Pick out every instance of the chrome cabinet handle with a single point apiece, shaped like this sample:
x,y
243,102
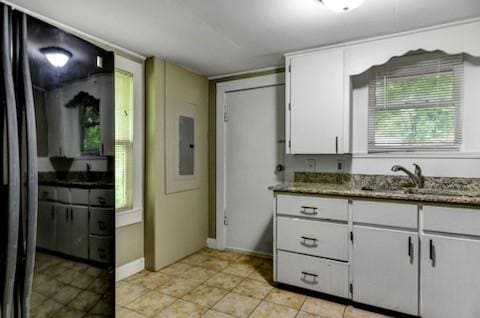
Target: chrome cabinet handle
x,y
102,200
313,277
306,239
410,249
432,253
309,210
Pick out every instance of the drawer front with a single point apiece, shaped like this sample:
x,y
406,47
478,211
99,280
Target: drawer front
x,y
101,197
386,213
324,239
101,248
47,193
63,195
79,196
451,220
314,207
101,221
322,275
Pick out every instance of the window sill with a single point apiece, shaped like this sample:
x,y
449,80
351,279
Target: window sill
x,y
128,217
426,155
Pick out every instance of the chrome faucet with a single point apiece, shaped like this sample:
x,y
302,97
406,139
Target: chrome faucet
x,y
417,178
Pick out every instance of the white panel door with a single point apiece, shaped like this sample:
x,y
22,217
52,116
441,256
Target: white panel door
x,y
254,147
316,98
64,229
450,277
385,268
79,228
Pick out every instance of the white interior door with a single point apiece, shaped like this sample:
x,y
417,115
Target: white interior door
x,y
254,148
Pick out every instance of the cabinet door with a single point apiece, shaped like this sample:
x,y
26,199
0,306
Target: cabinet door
x,y
107,115
316,101
54,122
64,229
385,268
46,225
450,278
79,226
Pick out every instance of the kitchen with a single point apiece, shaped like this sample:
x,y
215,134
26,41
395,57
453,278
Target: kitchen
x,y
257,159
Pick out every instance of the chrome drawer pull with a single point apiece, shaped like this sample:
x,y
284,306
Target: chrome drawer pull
x,y
305,241
313,279
309,210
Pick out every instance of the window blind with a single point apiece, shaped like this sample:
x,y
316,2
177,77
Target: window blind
x,y
415,103
123,139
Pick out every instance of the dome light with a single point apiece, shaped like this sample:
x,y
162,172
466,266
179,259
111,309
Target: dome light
x,y
342,5
57,56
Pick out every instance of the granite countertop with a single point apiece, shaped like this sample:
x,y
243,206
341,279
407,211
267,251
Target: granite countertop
x,y
78,184
80,179
378,190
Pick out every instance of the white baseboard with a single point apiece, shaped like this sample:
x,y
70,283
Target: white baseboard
x,y
249,252
129,269
211,243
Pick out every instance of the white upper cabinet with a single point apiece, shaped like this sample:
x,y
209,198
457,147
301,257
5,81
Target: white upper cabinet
x,y
315,102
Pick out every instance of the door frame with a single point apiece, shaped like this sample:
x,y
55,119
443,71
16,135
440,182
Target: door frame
x,y
223,89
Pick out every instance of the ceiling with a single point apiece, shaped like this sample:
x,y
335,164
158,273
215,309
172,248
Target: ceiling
x,y
213,37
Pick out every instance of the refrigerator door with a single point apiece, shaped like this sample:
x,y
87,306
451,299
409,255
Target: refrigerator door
x,y
12,216
29,157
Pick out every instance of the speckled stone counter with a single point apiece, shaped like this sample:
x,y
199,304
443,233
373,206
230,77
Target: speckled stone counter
x,y
92,180
462,191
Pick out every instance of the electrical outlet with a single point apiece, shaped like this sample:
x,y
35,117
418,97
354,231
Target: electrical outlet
x,y
310,165
341,165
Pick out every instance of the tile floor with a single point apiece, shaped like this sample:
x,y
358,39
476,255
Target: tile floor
x,y
64,288
216,284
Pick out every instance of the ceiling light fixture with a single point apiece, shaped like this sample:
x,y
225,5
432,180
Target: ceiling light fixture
x,y
342,5
57,56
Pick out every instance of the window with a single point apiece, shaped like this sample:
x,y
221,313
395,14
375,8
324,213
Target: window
x,y
123,139
415,103
90,129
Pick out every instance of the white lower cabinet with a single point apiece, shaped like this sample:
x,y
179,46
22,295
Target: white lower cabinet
x,y
450,277
429,269
46,225
385,268
64,230
79,230
72,230
315,273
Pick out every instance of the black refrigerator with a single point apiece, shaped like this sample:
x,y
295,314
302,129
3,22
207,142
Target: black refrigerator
x,y
57,198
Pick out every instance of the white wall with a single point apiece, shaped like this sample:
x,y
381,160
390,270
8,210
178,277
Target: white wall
x,y
465,163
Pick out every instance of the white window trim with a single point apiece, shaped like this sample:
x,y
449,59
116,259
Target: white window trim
x,y
134,215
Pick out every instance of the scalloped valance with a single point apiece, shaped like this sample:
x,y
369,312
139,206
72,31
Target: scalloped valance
x,y
452,39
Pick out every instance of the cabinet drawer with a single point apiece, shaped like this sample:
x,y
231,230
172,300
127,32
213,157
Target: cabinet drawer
x,y
63,195
101,248
322,275
386,213
314,207
451,220
101,221
47,193
324,239
79,196
102,197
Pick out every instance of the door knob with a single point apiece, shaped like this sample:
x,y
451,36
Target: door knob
x,y
279,168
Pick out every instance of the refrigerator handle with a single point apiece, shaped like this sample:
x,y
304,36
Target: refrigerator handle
x,y
13,166
32,167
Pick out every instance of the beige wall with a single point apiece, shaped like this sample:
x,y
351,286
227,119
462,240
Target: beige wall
x,y
176,224
129,243
212,189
